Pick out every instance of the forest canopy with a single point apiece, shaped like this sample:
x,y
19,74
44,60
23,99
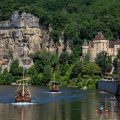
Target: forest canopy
x,y
80,19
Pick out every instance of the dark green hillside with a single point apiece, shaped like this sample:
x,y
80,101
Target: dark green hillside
x,y
80,19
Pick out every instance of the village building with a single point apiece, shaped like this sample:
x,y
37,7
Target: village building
x,y
99,44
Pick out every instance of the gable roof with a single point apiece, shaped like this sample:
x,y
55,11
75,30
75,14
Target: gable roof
x,y
99,36
85,43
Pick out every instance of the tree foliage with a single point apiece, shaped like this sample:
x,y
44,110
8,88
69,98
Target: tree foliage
x,y
104,61
80,19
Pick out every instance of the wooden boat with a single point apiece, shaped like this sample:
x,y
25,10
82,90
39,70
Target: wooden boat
x,y
23,93
102,112
23,96
54,86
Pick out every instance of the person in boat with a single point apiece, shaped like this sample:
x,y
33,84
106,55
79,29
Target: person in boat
x,y
101,108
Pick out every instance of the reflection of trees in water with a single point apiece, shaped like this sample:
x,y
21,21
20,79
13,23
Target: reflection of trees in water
x,y
56,111
53,111
113,106
8,112
114,109
23,112
117,110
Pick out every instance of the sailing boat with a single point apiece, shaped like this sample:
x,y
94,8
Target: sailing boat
x,y
23,93
54,85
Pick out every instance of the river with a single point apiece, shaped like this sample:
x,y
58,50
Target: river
x,y
69,104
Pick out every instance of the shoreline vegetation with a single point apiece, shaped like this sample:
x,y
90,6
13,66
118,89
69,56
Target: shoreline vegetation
x,y
79,19
69,71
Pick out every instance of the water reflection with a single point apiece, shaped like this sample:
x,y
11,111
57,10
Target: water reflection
x,y
69,105
112,106
22,112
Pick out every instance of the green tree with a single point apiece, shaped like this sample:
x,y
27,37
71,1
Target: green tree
x,y
36,78
15,69
41,59
87,57
115,61
104,61
7,78
64,57
47,72
91,69
55,35
72,7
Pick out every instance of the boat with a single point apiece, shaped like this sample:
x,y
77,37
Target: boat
x,y
102,112
108,78
23,93
113,98
54,86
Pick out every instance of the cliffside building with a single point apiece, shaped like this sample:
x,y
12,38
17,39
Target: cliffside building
x,y
24,29
99,44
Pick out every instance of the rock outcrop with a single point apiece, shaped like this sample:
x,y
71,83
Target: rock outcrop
x,y
24,30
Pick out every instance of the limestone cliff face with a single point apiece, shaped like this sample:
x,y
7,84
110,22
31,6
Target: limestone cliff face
x,y
23,31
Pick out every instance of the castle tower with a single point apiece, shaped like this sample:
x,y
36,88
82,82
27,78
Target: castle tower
x,y
85,48
100,43
14,19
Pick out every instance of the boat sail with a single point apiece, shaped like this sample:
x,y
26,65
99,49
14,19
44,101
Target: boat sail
x,y
54,85
23,93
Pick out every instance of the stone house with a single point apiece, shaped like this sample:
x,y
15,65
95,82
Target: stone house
x,y
99,44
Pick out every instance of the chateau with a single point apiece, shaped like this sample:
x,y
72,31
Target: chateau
x,y
100,43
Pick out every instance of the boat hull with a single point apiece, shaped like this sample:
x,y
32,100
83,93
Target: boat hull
x,y
22,99
54,88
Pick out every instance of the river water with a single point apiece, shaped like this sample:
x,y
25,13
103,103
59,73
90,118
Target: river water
x,y
69,104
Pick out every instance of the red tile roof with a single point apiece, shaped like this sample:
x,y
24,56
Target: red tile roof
x,y
112,43
99,36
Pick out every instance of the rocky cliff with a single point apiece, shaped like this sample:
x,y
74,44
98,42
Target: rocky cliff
x,y
23,31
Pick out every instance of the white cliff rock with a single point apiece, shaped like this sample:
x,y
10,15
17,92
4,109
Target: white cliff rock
x,y
25,29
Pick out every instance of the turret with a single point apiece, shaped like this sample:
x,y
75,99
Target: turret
x,y
85,47
100,43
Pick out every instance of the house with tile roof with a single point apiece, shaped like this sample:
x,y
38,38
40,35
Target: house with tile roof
x,y
99,44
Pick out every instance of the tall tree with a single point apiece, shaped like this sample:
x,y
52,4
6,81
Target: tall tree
x,y
104,61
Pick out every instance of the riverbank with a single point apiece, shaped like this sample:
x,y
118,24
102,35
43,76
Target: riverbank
x,y
73,102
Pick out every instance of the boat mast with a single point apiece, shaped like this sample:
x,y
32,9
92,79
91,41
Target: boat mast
x,y
54,66
23,87
54,75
